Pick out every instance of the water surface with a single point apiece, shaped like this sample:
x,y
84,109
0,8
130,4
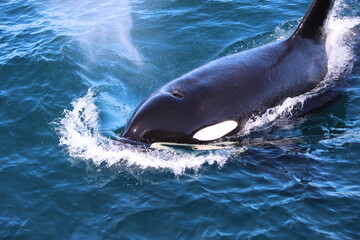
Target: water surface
x,y
73,72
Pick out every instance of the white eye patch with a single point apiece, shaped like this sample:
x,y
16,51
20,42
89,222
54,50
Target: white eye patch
x,y
215,131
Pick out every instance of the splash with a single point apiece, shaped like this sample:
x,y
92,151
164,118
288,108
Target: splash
x,y
340,57
101,27
80,134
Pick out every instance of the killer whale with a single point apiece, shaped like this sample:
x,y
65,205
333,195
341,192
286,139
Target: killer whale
x,y
216,99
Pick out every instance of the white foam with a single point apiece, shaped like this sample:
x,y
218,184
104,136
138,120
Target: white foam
x,y
80,134
338,48
340,58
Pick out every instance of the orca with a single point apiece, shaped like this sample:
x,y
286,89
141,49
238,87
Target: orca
x,y
216,100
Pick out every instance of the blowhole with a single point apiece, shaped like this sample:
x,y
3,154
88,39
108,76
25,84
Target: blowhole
x,y
177,94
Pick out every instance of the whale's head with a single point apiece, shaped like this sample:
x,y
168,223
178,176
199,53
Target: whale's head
x,y
181,115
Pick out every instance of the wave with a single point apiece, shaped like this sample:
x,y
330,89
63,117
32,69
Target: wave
x,y
81,136
80,133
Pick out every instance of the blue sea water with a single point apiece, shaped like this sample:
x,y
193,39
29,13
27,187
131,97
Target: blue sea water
x,y
73,72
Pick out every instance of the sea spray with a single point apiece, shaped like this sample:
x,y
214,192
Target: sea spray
x,y
101,28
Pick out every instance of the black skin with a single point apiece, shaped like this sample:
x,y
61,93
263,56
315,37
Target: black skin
x,y
234,87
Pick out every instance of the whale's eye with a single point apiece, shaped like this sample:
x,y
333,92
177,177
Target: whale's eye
x,y
177,93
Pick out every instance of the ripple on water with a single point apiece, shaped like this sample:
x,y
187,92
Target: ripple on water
x,y
293,178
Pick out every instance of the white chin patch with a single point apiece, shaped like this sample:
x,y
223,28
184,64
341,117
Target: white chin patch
x,y
215,131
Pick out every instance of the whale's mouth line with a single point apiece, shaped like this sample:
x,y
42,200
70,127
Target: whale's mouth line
x,y
178,147
128,141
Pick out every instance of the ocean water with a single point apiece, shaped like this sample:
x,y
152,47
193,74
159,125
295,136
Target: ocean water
x,y
73,72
